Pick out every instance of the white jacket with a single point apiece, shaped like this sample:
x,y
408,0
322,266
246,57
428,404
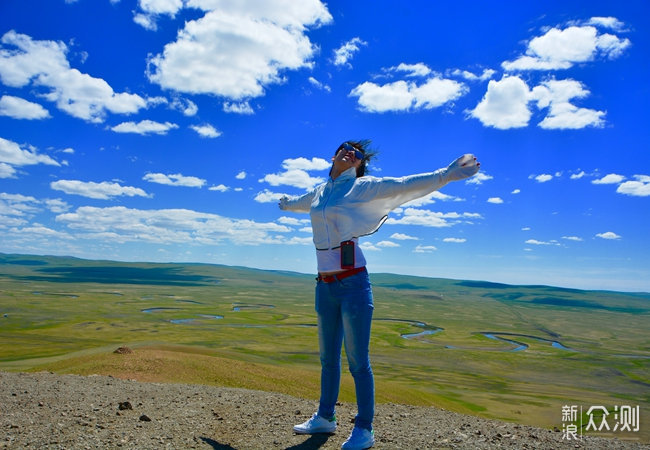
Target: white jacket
x,y
349,207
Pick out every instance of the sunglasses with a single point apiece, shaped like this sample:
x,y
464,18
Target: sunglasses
x,y
348,148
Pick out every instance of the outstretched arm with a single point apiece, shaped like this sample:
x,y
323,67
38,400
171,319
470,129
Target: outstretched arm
x,y
404,189
297,204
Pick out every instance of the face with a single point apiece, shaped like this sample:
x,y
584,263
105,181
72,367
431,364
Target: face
x,y
347,156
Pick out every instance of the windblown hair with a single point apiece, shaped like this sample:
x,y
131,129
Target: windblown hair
x,y
363,146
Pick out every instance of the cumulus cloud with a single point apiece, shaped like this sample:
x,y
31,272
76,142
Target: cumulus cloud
x,y
455,240
411,70
562,48
295,173
577,176
427,218
243,108
556,95
479,178
611,178
504,105
44,64
19,108
267,196
609,235
425,249
470,76
219,188
12,154
168,226
407,96
318,85
495,200
536,242
206,130
174,180
387,244
144,127
431,198
345,52
638,188
241,175
572,238
237,49
101,191
543,178
403,237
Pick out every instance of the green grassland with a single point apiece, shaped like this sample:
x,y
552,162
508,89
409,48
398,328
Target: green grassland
x,y
241,327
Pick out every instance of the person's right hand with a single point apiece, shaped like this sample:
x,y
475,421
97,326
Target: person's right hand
x,y
464,167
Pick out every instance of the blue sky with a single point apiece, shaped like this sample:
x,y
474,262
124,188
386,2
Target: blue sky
x,y
166,130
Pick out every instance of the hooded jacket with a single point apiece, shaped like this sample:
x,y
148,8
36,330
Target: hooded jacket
x,y
349,207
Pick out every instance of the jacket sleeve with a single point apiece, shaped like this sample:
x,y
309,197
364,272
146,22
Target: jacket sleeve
x,y
397,191
298,204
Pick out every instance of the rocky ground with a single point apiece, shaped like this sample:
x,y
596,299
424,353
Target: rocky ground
x,y
43,410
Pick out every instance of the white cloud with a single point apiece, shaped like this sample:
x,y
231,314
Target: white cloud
x,y
610,235
485,75
295,173
455,240
572,238
144,127
344,54
387,244
577,176
238,48
431,198
543,178
241,175
219,188
407,95
516,191
638,188
369,247
187,107
426,218
174,180
19,108
536,242
611,178
561,49
318,85
57,205
403,237
292,221
12,154
102,191
206,130
168,226
607,22
479,178
306,164
267,196
243,108
504,105
294,177
424,249
411,70
6,171
556,95
44,64
495,200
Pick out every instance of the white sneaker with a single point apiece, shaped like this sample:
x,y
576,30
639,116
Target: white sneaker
x,y
316,424
359,439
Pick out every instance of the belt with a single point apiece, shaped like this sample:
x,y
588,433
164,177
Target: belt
x,y
341,275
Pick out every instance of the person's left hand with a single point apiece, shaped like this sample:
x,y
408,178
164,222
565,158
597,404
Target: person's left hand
x,y
464,167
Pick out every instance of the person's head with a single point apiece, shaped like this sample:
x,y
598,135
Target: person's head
x,y
353,154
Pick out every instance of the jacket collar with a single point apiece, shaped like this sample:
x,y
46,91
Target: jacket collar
x,y
348,174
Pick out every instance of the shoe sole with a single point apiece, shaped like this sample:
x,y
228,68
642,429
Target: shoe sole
x,y
315,432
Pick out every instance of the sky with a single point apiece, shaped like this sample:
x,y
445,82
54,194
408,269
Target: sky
x,y
167,130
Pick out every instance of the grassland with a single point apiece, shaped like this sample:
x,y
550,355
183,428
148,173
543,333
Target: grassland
x,y
249,328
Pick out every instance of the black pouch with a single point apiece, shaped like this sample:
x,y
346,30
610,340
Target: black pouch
x,y
347,255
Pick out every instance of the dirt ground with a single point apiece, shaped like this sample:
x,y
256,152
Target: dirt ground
x,y
44,410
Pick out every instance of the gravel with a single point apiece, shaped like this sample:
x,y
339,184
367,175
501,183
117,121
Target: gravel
x,y
45,410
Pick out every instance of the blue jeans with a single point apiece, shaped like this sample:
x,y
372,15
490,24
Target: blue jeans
x,y
344,311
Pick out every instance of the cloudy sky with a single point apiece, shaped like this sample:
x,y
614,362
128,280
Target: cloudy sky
x,y
166,130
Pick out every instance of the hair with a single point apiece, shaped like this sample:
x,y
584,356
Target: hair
x,y
363,146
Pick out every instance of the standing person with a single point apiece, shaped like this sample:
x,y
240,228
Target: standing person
x,y
347,206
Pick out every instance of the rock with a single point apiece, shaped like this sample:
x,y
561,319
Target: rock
x,y
124,406
123,351
145,418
